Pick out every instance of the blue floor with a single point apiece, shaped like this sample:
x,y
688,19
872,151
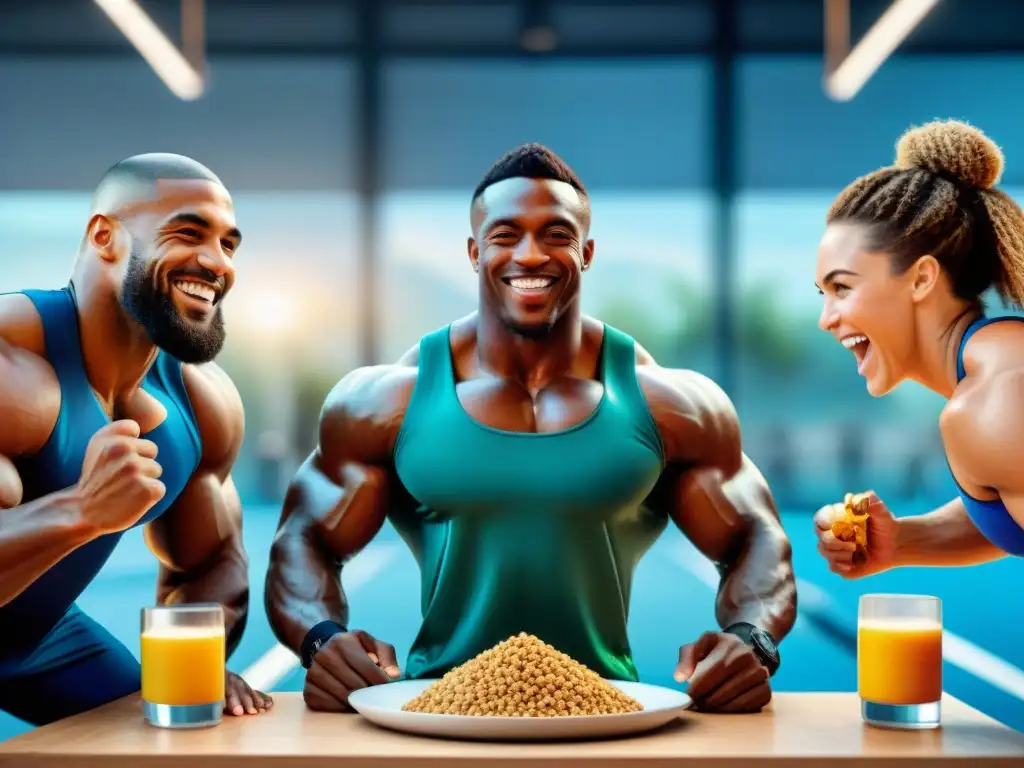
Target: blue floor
x,y
671,606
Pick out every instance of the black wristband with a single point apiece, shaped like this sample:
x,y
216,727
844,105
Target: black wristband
x,y
315,638
760,641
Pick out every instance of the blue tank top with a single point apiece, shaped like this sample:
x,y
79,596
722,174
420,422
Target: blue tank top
x,y
27,618
989,515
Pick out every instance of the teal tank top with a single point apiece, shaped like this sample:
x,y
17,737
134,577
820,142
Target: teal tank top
x,y
527,532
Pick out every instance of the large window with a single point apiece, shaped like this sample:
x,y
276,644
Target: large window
x,y
791,136
639,152
275,124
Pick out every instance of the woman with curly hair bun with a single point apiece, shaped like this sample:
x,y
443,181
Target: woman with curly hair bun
x,y
908,252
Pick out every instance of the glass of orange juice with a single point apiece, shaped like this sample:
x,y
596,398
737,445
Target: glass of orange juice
x,y
899,660
183,658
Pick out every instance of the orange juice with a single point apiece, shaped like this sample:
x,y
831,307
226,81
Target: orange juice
x,y
183,665
899,661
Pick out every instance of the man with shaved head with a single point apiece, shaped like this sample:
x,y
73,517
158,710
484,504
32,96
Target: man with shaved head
x,y
114,416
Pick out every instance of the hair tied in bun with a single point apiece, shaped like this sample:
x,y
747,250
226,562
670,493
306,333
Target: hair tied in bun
x,y
953,150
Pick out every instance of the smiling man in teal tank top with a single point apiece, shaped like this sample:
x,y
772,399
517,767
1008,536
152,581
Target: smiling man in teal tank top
x,y
530,456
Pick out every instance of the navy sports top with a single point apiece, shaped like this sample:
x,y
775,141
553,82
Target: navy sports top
x,y
58,465
989,515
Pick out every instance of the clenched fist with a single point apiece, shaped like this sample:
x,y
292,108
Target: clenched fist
x,y
119,481
842,556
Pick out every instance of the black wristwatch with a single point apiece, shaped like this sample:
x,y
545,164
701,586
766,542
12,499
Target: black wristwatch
x,y
315,639
762,643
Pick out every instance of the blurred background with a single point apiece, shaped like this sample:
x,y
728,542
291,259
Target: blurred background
x,y
351,135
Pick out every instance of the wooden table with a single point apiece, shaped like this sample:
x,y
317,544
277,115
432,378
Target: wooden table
x,y
805,728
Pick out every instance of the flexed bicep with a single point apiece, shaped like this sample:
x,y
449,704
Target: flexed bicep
x,y
337,501
721,501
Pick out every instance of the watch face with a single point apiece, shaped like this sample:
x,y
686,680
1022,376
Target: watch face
x,y
764,644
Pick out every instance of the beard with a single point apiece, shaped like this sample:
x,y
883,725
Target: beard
x,y
157,315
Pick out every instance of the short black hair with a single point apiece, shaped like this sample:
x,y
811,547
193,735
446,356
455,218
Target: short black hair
x,y
530,161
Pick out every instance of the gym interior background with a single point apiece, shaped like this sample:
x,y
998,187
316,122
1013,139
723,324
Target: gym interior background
x,y
351,135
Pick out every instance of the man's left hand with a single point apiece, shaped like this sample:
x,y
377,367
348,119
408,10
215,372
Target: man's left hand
x,y
240,699
724,674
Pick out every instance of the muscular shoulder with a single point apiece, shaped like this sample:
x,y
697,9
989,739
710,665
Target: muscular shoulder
x,y
996,348
20,324
29,390
220,415
982,426
695,417
364,411
982,422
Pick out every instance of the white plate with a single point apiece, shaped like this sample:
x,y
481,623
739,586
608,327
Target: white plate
x,y
382,704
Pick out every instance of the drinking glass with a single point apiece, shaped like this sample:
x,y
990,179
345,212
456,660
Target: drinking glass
x,y
899,660
183,662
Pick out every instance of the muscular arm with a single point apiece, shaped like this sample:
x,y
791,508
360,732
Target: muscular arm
x,y
198,540
720,501
337,501
943,537
35,535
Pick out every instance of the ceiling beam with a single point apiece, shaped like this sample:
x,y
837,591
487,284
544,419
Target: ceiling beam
x,y
182,71
848,69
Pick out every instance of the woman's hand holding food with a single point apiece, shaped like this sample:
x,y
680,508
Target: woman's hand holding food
x,y
857,536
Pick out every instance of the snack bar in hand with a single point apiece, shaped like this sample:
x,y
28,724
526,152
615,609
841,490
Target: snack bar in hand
x,y
854,525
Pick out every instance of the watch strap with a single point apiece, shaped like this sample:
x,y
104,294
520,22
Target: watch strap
x,y
760,641
315,639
